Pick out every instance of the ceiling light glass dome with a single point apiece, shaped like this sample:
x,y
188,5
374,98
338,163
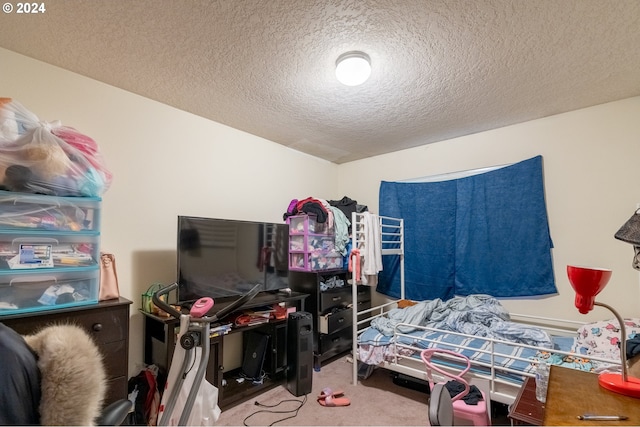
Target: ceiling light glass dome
x,y
353,68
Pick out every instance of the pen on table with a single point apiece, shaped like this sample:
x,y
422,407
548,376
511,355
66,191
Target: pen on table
x,y
589,417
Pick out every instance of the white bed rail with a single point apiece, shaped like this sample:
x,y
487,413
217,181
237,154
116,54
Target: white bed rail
x,y
493,377
391,239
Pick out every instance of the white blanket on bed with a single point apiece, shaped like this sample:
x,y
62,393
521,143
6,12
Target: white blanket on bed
x,y
478,315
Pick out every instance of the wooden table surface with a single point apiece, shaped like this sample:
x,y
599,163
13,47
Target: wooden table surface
x,y
572,392
527,409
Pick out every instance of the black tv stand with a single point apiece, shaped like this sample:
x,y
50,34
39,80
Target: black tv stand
x,y
160,341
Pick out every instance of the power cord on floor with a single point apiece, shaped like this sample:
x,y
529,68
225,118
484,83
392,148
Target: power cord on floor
x,y
255,381
294,411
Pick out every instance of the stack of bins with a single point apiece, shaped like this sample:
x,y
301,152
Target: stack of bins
x,y
312,245
49,252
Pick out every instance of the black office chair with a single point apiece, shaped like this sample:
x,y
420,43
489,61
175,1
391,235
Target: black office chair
x,y
440,406
115,413
54,377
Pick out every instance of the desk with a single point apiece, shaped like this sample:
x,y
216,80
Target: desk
x,y
572,393
527,409
160,341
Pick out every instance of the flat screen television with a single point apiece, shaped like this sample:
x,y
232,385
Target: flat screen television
x,y
224,258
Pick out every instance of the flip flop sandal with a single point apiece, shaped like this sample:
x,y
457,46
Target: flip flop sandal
x,y
328,392
331,401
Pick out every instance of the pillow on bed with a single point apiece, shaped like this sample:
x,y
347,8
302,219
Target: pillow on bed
x,y
405,303
602,339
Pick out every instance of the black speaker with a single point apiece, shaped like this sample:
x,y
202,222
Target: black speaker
x,y
299,353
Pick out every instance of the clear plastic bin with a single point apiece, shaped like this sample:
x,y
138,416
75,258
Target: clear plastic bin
x,y
315,261
21,211
29,291
27,250
301,224
313,243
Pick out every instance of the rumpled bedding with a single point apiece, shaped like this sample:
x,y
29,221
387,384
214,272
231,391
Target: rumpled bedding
x,y
479,315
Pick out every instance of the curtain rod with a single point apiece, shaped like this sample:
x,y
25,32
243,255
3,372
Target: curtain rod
x,y
454,175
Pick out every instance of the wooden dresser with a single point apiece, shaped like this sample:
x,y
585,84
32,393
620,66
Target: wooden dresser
x,y
107,322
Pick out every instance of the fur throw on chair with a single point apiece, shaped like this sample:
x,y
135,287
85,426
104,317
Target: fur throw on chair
x,y
73,375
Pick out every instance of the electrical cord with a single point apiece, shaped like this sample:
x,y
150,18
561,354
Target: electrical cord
x,y
193,363
257,380
295,410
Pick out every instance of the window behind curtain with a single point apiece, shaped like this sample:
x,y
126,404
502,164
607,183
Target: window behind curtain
x,y
481,234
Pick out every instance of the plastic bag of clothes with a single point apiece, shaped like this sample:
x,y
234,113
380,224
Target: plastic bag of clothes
x,y
144,393
47,158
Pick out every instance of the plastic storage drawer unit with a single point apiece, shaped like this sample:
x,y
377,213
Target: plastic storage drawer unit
x,y
34,251
308,224
315,261
19,211
312,245
24,291
49,252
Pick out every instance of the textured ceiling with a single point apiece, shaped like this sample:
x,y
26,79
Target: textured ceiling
x,y
441,69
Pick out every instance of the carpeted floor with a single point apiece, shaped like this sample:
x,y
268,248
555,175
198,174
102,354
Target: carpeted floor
x,y
376,401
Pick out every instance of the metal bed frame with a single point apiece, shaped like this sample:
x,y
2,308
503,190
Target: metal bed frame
x,y
502,383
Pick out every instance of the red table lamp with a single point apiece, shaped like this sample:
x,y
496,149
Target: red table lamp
x,y
588,282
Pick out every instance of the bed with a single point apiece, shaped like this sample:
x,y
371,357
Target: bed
x,y
504,348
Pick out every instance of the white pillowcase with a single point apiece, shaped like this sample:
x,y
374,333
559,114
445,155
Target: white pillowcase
x,y
602,338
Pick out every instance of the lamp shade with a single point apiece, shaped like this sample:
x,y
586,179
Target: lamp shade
x,y
587,283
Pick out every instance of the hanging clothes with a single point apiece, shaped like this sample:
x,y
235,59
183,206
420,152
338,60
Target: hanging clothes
x,y
369,250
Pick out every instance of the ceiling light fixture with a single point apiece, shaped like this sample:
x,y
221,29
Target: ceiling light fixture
x,y
353,68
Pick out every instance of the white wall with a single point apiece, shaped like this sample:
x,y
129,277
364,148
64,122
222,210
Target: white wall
x,y
165,163
592,186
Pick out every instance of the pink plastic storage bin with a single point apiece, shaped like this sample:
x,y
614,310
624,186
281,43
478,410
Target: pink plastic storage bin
x,y
312,245
307,224
315,261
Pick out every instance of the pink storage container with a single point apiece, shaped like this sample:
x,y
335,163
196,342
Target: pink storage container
x,y
312,245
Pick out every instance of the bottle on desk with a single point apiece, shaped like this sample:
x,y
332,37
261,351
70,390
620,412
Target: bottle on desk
x,y
542,381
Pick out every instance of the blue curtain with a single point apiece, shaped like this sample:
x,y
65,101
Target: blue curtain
x,y
483,234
